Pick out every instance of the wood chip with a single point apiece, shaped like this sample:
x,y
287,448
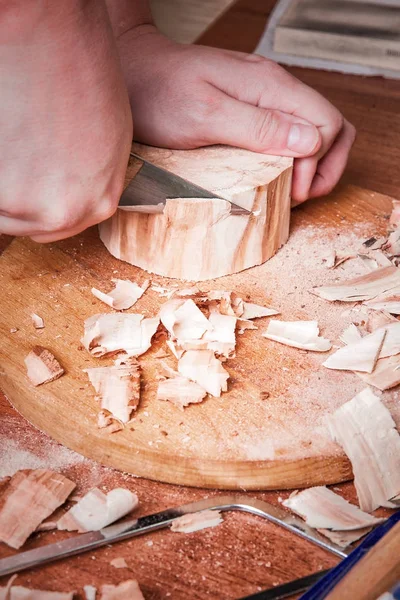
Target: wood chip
x,y
119,332
378,318
97,510
323,509
350,335
42,366
392,245
124,295
389,302
119,563
197,521
365,287
127,590
367,433
18,592
184,320
105,420
47,526
202,367
222,337
37,321
298,334
361,355
117,388
345,538
30,497
254,311
180,391
90,592
386,374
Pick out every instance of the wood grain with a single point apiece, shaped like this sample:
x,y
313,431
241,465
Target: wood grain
x,y
199,239
235,442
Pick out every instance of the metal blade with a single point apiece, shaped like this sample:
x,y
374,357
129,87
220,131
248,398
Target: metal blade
x,y
152,186
287,590
134,527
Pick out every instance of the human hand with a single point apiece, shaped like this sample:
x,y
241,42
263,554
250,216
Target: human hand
x,y
66,125
189,96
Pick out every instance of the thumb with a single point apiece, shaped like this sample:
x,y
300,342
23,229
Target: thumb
x,y
258,129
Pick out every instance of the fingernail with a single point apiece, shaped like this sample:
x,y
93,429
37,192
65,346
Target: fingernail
x,y
302,138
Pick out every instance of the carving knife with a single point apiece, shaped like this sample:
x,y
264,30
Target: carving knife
x,y
152,186
134,527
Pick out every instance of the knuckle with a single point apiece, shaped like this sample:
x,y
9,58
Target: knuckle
x,y
265,128
337,122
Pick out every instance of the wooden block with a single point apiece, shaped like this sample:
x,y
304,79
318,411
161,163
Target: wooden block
x,y
196,239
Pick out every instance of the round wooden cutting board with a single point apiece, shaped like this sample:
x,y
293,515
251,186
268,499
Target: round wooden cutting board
x,y
267,431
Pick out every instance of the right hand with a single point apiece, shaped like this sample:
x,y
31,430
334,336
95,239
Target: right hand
x,y
66,125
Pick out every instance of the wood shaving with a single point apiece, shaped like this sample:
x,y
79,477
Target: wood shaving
x,y
298,334
124,295
388,302
127,590
222,337
119,563
18,592
361,288
90,592
367,433
361,355
180,391
202,367
378,318
119,332
243,324
117,388
106,421
37,321
184,320
392,245
394,220
42,366
386,374
350,335
345,538
197,521
29,498
323,509
47,526
97,510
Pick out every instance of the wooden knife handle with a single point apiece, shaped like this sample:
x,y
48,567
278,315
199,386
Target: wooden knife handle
x,y
375,573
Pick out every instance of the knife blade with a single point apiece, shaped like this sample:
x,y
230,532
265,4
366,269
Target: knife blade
x,y
152,186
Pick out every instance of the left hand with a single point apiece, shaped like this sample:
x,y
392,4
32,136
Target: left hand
x,y
190,96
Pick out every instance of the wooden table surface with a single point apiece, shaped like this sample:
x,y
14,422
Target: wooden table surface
x,y
244,554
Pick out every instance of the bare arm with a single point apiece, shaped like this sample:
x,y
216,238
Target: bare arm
x,y
66,127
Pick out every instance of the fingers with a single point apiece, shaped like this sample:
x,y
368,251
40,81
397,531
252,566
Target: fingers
x,y
313,177
262,130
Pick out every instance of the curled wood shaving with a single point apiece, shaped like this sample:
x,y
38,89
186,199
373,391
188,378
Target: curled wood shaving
x,y
365,287
127,590
202,367
360,355
97,510
197,521
180,391
392,245
367,433
37,321
29,498
117,388
221,339
323,509
111,333
42,366
298,334
124,295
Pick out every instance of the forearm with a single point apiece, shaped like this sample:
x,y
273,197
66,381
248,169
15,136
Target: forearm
x,y
126,15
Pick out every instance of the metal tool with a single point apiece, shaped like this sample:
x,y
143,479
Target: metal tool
x,y
286,590
152,186
133,527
